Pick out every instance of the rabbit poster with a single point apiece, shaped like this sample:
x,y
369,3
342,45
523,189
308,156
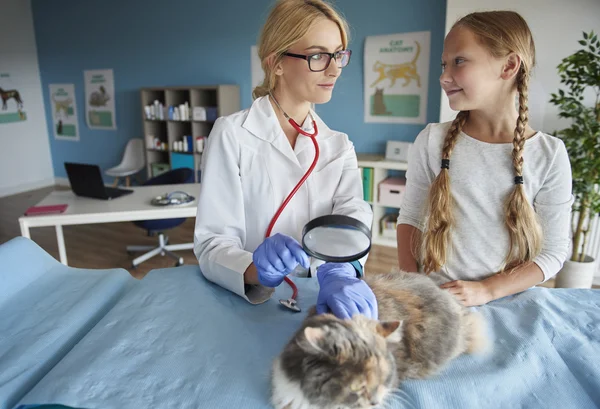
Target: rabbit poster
x,y
100,99
396,78
64,111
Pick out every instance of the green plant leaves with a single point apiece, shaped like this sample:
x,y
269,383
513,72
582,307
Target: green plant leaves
x,y
580,73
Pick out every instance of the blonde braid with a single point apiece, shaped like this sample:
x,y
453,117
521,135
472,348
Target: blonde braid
x,y
436,237
524,229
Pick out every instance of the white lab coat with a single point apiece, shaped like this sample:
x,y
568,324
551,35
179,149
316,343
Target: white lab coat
x,y
248,169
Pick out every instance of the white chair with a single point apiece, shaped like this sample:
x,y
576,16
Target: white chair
x,y
133,161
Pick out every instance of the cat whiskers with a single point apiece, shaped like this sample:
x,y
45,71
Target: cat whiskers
x,y
394,398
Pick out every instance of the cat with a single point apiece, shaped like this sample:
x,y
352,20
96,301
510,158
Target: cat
x,y
11,93
353,364
99,98
62,105
408,71
379,107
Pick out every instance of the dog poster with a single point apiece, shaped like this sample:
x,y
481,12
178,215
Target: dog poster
x,y
13,106
396,77
64,111
100,99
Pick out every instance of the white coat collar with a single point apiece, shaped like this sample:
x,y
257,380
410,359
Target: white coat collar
x,y
262,122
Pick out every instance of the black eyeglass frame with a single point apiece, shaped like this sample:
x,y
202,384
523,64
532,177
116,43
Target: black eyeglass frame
x,y
331,57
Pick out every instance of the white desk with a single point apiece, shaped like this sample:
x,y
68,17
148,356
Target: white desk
x,y
131,207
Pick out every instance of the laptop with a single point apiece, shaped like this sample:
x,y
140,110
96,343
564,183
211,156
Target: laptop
x,y
86,180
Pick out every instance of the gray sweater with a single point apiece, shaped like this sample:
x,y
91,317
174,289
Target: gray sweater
x,y
481,178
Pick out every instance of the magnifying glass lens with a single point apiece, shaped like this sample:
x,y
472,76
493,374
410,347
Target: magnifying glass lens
x,y
336,238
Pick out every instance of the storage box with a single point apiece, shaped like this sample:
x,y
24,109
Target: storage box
x,y
398,151
391,191
159,168
182,160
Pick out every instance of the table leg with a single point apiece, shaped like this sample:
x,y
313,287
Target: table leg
x,y
60,238
24,229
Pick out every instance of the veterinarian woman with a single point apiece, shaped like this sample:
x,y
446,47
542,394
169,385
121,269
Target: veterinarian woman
x,y
255,158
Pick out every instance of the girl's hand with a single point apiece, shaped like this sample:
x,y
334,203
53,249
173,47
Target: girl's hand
x,y
469,293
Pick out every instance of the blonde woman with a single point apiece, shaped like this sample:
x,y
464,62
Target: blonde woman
x,y
497,193
255,157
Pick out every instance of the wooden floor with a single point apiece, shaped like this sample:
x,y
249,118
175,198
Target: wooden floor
x,y
101,246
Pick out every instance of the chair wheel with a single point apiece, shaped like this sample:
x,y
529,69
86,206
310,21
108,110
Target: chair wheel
x,y
179,263
133,266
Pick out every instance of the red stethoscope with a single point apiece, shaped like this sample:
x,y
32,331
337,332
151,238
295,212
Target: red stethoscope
x,y
291,302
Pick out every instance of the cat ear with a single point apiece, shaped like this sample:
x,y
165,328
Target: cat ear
x,y
390,330
314,336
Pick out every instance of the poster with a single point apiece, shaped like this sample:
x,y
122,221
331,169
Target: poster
x,y
100,99
11,98
258,75
396,77
64,111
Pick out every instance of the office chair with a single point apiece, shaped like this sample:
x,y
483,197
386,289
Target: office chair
x,y
153,227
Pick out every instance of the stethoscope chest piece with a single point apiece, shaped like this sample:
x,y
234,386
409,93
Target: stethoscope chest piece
x,y
172,199
291,304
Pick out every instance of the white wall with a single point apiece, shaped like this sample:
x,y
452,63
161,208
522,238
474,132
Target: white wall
x,y
557,27
25,160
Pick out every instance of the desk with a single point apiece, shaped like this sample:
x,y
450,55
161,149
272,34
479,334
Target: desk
x,y
131,207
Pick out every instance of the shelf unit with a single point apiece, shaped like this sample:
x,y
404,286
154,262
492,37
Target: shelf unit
x,y
226,99
381,170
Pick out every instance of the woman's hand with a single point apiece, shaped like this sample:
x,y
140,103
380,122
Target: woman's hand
x,y
276,257
342,293
469,293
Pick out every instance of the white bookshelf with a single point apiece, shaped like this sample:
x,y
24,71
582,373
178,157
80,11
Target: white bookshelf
x,y
381,169
226,98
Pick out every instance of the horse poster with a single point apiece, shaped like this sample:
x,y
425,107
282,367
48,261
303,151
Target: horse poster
x,y
396,77
13,109
64,111
100,99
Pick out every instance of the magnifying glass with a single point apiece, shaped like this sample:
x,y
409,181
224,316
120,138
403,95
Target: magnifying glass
x,y
336,238
333,238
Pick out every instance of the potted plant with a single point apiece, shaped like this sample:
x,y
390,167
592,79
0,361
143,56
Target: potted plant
x,y
580,73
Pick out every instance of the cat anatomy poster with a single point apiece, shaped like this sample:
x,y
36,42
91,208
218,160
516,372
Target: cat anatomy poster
x,y
64,111
13,106
396,77
100,99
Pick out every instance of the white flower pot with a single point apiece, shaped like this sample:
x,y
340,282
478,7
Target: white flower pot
x,y
575,274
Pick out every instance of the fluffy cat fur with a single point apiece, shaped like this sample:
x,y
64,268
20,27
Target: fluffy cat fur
x,y
337,364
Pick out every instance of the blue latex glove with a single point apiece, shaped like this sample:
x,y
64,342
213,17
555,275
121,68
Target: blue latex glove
x,y
342,293
276,257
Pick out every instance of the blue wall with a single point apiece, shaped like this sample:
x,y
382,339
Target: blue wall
x,y
195,42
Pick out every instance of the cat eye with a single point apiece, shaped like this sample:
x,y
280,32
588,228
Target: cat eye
x,y
351,398
320,61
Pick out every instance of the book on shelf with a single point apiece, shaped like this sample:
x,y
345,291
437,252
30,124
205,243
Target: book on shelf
x,y
367,181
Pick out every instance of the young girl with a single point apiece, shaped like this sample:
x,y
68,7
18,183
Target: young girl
x,y
254,158
488,199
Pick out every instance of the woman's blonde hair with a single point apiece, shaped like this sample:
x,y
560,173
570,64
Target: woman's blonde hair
x,y
502,33
286,24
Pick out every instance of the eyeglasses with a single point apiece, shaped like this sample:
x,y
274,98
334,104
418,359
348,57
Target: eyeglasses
x,y
320,61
